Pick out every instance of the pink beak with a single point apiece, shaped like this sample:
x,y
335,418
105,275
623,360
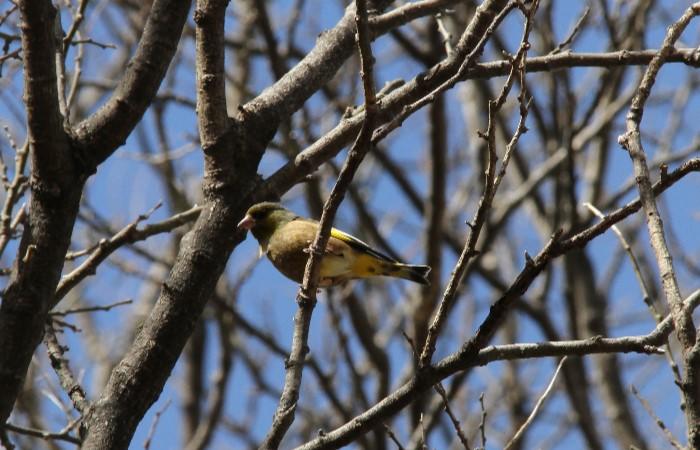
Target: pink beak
x,y
247,223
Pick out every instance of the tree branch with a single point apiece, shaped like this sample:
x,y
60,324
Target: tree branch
x,y
106,130
470,353
306,297
632,142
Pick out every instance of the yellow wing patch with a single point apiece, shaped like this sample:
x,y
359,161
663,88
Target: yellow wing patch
x,y
359,245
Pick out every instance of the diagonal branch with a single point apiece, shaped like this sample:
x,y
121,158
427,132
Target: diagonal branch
x,y
335,140
470,354
683,320
514,441
127,235
65,376
306,297
106,130
491,183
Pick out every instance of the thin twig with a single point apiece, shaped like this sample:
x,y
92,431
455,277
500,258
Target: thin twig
x,y
60,365
46,435
538,405
445,33
572,34
491,184
152,430
635,263
87,309
455,422
77,20
393,437
645,292
127,235
90,41
16,188
482,422
660,423
306,296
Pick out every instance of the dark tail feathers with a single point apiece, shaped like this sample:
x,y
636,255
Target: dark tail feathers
x,y
416,273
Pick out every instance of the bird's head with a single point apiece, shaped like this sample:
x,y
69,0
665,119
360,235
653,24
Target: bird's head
x,y
263,219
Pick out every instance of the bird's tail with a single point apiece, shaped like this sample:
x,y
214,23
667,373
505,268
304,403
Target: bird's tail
x,y
412,272
366,265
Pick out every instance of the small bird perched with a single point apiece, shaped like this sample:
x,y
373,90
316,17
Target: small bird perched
x,y
286,237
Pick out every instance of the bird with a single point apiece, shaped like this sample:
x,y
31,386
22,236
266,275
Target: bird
x,y
285,238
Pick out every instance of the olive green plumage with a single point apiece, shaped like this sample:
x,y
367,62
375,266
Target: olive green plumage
x,y
285,238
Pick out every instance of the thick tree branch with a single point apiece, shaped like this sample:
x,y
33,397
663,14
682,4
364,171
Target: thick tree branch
x,y
137,380
106,130
231,163
52,208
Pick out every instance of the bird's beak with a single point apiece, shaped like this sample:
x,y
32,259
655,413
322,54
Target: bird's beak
x,y
247,223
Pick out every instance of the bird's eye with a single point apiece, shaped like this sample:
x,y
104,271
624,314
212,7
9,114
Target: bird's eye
x,y
258,215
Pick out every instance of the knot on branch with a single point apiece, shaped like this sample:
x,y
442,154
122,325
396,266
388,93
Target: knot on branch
x,y
289,363
305,300
76,389
595,339
624,140
202,17
314,250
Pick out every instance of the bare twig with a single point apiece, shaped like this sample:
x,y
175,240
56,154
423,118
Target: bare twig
x,y
645,292
60,365
87,309
482,422
127,235
13,193
635,264
393,437
660,423
491,184
154,425
78,17
538,405
631,141
572,34
455,422
306,296
91,41
46,435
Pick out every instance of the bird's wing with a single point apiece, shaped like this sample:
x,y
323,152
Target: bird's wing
x,y
296,237
359,245
338,242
